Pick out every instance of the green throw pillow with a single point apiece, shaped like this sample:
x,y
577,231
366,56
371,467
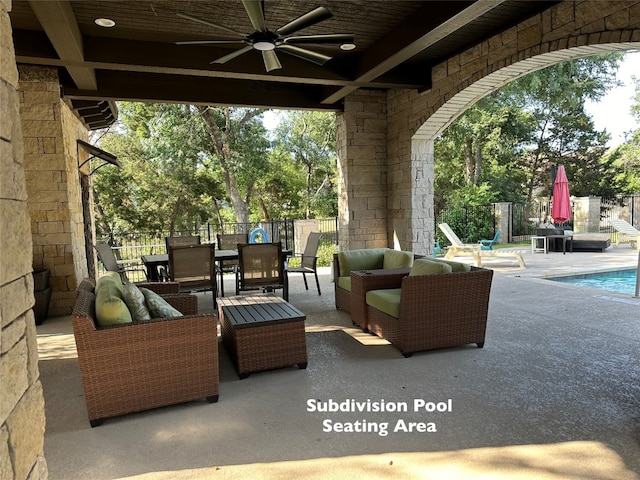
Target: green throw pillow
x,y
158,306
455,266
397,259
111,278
423,266
110,308
135,301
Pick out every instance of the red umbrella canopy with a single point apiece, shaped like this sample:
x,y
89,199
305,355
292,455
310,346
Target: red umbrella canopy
x,y
561,208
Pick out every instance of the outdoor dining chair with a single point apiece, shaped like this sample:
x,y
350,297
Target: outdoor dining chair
x,y
308,261
112,264
230,241
182,241
261,267
193,267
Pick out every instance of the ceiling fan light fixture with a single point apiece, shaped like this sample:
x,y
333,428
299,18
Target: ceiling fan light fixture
x,y
263,45
105,22
347,46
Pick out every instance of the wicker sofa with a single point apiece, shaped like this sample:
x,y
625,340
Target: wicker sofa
x,y
434,311
139,366
363,259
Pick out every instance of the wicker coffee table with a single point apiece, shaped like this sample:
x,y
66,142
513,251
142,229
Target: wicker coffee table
x,y
262,333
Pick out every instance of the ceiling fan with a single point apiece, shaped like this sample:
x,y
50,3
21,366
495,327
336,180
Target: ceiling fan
x,y
267,41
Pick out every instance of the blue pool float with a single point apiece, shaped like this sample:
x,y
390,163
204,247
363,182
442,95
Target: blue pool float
x,y
258,231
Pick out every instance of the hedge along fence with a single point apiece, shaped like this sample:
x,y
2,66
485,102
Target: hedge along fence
x,y
471,223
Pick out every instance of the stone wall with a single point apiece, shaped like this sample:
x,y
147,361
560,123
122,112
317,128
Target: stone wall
x,y
22,420
50,132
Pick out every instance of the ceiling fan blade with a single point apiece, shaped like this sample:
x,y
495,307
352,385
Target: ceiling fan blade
x,y
310,18
256,14
315,57
233,55
271,61
337,38
210,24
205,42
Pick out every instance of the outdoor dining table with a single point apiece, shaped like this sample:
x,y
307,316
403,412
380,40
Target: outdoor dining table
x,y
153,263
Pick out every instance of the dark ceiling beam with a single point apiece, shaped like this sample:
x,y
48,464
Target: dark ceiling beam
x,y
151,87
59,23
153,57
383,57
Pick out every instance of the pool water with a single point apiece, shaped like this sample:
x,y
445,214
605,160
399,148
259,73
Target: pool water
x,y
620,281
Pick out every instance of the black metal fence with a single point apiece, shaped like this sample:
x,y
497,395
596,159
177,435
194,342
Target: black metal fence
x,y
626,208
132,245
469,222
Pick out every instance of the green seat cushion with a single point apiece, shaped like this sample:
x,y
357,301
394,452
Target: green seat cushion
x,y
345,283
424,266
158,306
387,300
136,303
110,307
362,259
455,266
397,259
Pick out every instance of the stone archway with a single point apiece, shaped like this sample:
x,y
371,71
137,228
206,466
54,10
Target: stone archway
x,y
567,31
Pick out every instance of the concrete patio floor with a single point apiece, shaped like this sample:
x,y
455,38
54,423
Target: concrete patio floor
x,y
554,393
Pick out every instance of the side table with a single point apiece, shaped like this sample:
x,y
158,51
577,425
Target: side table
x,y
534,244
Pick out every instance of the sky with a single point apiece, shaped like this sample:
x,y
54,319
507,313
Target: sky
x,y
611,113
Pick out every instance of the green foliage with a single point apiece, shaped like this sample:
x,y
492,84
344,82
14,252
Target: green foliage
x,y
325,254
501,149
306,141
470,223
184,165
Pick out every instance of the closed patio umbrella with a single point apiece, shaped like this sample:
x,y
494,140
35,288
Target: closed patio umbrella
x,y
561,208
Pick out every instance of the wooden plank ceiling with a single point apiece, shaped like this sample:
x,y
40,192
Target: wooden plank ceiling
x,y
397,44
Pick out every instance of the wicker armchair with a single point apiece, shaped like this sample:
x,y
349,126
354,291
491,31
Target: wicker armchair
x,y
134,367
436,311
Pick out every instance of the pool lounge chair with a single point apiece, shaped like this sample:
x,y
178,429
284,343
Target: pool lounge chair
x,y
488,244
457,247
626,232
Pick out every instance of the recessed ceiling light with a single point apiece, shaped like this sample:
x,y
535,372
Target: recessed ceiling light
x,y
347,46
105,22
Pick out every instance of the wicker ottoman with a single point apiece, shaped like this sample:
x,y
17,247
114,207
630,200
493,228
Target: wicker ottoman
x,y
262,333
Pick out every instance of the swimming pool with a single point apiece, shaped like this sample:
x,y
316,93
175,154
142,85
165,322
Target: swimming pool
x,y
620,281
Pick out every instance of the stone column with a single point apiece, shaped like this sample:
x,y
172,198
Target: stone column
x,y
362,171
21,400
51,132
504,221
420,208
586,212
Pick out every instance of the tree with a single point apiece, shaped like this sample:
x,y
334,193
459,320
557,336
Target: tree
x,y
626,157
308,139
182,164
501,148
165,183
239,145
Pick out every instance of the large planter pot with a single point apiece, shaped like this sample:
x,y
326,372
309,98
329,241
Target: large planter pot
x,y
42,294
